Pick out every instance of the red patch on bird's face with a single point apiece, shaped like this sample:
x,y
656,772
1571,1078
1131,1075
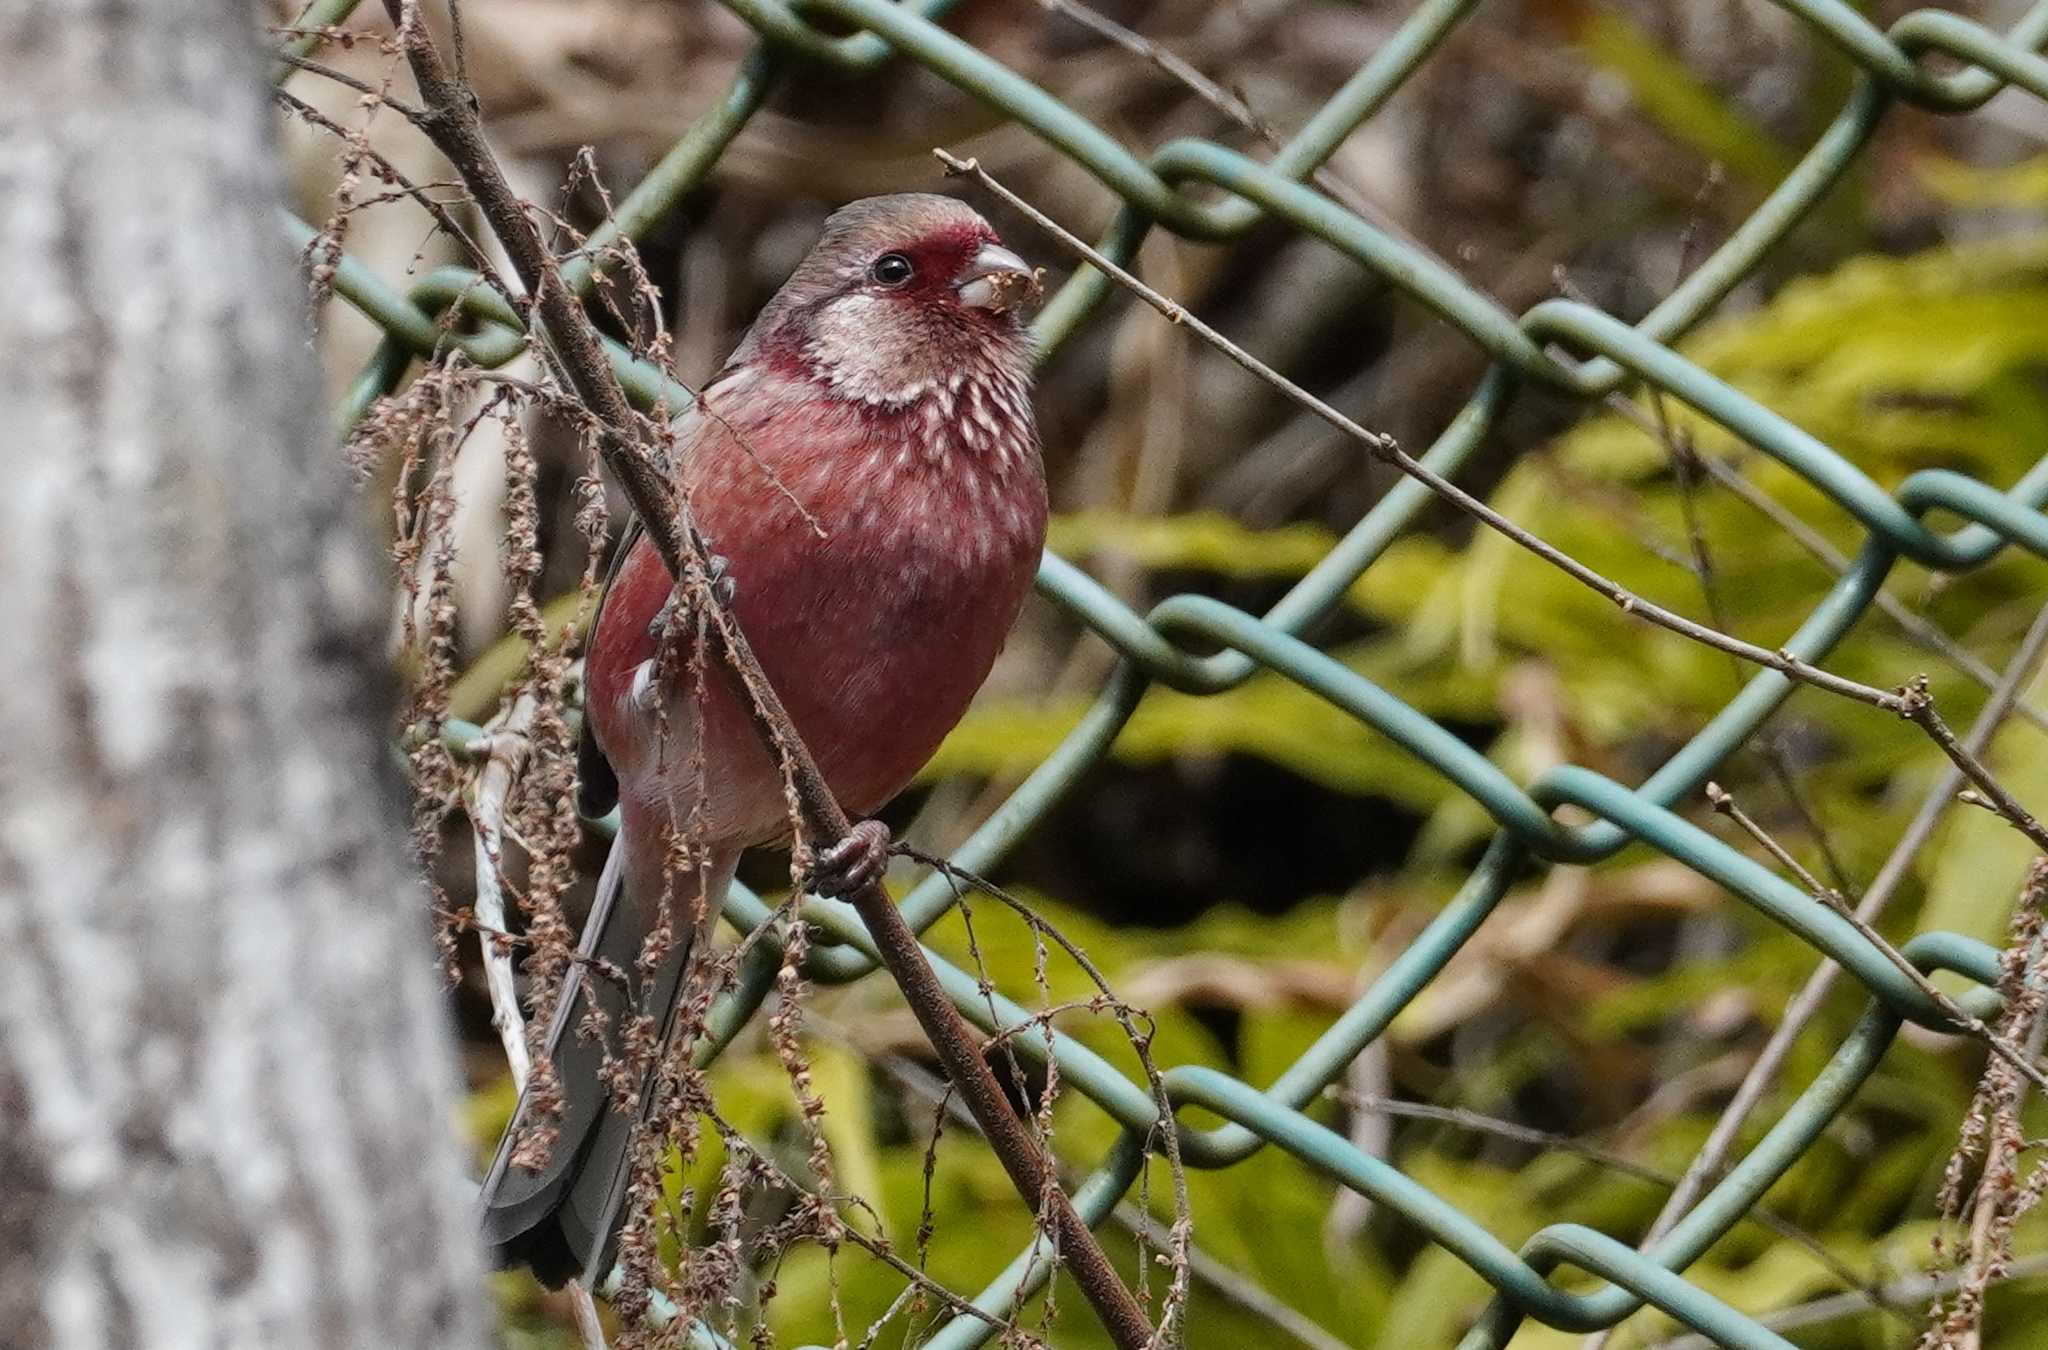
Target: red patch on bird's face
x,y
937,258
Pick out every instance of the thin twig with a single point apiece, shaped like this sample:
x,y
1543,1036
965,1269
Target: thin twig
x,y
1240,112
1168,1125
466,921
1231,105
1706,1164
1915,627
1724,802
1911,702
2005,1049
1478,1123
452,123
359,144
878,1248
1816,544
1684,458
1920,708
1226,1281
416,116
1906,1289
1385,447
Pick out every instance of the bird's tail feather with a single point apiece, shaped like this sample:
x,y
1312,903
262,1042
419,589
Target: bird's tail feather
x,y
563,1219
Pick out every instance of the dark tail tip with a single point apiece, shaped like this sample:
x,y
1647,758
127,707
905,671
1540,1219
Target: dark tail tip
x,y
545,1250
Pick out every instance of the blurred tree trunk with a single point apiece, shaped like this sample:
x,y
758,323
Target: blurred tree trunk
x,y
225,1074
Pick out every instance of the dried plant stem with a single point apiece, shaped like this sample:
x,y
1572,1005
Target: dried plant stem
x,y
450,120
1994,1185
877,1247
1993,1136
1179,1236
358,144
508,747
1226,1281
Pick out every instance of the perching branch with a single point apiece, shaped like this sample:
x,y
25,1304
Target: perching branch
x,y
451,121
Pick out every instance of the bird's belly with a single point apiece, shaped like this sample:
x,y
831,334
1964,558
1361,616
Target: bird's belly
x,y
875,662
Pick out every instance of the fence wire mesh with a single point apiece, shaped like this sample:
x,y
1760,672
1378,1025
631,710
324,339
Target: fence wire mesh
x,y
1559,345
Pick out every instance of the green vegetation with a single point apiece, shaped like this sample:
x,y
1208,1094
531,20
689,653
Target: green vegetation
x,y
1616,1005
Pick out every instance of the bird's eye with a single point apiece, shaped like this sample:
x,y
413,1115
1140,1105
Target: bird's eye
x,y
891,269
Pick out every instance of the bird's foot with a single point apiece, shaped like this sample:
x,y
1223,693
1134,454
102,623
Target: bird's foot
x,y
854,861
717,570
658,625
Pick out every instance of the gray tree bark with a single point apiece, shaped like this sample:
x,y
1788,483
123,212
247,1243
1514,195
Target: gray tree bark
x,y
225,1073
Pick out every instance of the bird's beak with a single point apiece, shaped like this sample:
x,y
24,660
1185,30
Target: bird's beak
x,y
996,279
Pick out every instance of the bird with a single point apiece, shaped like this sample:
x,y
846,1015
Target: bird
x,y
867,470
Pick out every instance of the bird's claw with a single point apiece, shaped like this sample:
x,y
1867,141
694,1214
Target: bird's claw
x,y
658,625
853,862
717,571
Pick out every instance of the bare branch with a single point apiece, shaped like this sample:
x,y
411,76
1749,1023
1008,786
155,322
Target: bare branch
x,y
1920,709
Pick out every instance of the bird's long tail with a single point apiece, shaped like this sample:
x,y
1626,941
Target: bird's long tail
x,y
563,1219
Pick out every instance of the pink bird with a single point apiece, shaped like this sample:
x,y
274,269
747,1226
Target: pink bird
x,y
867,469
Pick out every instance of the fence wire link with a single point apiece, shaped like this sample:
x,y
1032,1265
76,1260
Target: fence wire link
x,y
1562,345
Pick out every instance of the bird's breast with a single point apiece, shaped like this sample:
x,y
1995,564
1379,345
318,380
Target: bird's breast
x,y
875,581
879,622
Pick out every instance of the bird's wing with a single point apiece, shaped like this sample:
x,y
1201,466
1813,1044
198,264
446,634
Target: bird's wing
x,y
597,785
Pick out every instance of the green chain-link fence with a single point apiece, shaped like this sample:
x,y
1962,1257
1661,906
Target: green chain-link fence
x,y
1603,355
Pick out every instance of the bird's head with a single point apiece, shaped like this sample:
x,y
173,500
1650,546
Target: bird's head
x,y
901,296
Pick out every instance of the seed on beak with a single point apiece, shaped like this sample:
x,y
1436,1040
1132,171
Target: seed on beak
x,y
997,279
